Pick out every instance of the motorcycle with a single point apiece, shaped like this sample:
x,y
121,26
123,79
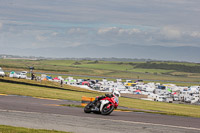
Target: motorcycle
x,y
104,106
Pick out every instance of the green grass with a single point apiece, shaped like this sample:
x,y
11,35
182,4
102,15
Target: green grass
x,y
107,66
152,77
47,92
164,108
180,63
11,129
152,71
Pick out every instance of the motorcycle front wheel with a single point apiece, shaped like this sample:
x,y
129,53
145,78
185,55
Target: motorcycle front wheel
x,y
107,111
87,108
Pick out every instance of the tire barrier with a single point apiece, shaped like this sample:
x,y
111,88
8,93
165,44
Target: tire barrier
x,y
86,100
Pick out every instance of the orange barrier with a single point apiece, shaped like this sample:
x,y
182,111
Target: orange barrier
x,y
86,100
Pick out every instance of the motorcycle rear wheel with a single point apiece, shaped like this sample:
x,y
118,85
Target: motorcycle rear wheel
x,y
107,111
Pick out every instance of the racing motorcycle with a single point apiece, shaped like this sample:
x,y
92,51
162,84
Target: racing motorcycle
x,y
103,105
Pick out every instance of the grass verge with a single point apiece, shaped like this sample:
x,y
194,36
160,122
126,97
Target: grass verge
x,y
11,129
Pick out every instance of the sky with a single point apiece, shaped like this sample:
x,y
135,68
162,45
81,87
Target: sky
x,y
34,24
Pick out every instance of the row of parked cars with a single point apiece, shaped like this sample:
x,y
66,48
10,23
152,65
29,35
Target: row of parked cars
x,y
13,74
19,75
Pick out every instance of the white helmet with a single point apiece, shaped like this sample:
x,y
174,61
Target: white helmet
x,y
116,93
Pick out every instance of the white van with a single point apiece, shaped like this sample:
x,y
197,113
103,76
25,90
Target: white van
x,y
160,98
18,75
2,74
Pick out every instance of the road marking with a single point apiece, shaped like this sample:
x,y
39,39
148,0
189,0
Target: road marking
x,y
47,98
51,104
122,111
131,122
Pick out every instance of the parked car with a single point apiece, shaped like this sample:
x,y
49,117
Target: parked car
x,y
160,98
18,74
24,72
2,74
176,98
22,75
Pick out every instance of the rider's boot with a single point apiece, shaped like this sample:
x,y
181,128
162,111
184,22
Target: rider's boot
x,y
96,109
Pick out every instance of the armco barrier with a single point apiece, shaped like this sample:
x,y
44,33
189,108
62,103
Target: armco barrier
x,y
86,100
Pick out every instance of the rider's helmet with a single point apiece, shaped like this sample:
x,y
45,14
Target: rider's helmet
x,y
116,93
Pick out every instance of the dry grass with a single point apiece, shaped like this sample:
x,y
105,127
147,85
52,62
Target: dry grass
x,y
11,129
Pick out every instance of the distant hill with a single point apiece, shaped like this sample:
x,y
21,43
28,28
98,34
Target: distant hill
x,y
5,56
120,51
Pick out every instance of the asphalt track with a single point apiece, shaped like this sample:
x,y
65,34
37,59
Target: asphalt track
x,y
48,114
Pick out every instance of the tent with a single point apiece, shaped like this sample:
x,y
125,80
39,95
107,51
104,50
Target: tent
x,y
86,83
48,77
56,78
12,72
137,91
44,79
174,93
169,90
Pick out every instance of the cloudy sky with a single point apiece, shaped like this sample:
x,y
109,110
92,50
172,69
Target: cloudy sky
x,y
73,23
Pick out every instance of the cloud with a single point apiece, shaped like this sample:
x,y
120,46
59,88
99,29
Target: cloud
x,y
171,33
71,44
107,29
174,1
41,38
118,31
54,33
74,30
129,31
195,34
77,30
61,23
1,25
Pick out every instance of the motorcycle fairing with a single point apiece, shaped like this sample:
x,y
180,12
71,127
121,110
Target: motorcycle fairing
x,y
103,102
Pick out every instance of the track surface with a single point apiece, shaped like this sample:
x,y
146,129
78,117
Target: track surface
x,y
46,114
